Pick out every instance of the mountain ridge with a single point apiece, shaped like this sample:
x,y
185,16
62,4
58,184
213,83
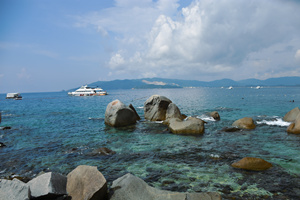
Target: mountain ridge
x,y
156,82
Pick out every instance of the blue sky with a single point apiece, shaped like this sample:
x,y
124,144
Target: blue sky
x,y
52,45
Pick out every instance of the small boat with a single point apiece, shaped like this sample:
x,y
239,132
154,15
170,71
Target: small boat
x,y
230,88
15,96
257,87
88,91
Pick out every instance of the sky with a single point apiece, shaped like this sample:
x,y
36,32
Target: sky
x,y
51,45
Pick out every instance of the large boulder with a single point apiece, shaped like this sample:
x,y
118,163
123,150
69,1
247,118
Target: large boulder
x,y
117,114
173,112
294,127
244,123
129,187
155,108
15,190
86,183
191,125
50,184
254,164
292,115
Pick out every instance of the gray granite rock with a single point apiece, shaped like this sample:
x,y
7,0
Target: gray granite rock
x,y
117,114
14,190
50,184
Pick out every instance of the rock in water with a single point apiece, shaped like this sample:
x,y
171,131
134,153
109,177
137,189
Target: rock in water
x,y
14,190
118,114
86,183
173,112
254,164
155,108
103,151
50,184
191,125
129,187
215,115
244,123
292,115
294,127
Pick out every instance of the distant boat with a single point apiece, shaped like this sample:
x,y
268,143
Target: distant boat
x,y
257,87
230,88
15,96
88,91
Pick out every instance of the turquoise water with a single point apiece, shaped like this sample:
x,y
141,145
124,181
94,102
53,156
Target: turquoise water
x,y
56,132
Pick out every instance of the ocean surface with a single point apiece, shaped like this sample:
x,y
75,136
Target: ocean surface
x,y
57,132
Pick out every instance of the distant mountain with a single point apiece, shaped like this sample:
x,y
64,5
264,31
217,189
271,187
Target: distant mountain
x,y
177,83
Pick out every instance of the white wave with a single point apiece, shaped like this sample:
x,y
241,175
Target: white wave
x,y
206,118
159,122
276,122
140,107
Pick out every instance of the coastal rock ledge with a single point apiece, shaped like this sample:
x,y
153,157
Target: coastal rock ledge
x,y
130,187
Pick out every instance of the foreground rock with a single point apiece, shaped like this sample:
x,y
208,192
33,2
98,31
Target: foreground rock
x,y
254,164
191,125
48,185
86,183
292,115
14,190
118,114
294,127
129,187
244,123
155,108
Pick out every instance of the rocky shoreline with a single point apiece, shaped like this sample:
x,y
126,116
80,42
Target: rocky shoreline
x,y
80,183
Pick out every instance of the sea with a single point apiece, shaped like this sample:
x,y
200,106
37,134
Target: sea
x,y
55,132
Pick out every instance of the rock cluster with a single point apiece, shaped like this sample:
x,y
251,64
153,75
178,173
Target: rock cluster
x,y
87,183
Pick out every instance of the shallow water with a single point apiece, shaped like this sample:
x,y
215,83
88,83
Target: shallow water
x,y
56,132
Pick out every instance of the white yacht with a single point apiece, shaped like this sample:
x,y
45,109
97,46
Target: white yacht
x,y
16,96
88,91
230,88
258,87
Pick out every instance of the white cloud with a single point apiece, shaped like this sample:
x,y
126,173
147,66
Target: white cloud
x,y
206,40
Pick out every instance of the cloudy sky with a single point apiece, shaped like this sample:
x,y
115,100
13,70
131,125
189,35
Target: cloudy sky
x,y
52,45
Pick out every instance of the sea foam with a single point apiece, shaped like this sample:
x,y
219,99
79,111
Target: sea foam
x,y
275,122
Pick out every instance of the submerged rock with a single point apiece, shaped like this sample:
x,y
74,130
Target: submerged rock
x,y
230,129
292,115
118,114
50,185
191,125
130,187
294,127
15,190
2,144
103,151
86,182
155,108
254,164
244,123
